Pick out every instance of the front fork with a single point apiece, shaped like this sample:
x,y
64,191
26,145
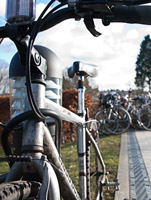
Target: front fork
x,y
32,146
82,141
32,140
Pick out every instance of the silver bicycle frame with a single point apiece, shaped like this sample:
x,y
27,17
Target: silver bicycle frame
x,y
36,138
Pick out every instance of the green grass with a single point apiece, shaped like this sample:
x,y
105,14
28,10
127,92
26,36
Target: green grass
x,y
3,165
69,156
110,146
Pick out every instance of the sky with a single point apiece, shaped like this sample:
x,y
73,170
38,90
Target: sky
x,y
114,52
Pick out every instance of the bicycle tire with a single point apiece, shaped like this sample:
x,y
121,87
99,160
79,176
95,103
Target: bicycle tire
x,y
101,118
18,190
119,120
110,122
144,116
93,168
134,119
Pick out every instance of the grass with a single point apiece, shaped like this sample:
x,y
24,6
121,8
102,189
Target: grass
x,y
110,146
3,165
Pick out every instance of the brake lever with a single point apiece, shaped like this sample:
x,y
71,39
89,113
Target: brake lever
x,y
89,23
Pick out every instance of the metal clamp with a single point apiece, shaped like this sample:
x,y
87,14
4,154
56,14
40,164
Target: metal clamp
x,y
114,185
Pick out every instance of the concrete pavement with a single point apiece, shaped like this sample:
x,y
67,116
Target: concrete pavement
x,y
134,171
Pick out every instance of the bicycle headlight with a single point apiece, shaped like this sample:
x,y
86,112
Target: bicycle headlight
x,y
19,11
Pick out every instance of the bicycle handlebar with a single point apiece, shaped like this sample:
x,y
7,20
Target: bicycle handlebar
x,y
116,13
132,14
123,14
109,2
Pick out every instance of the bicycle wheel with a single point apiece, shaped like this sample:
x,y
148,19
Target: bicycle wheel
x,y
144,117
93,166
101,117
118,120
111,121
19,190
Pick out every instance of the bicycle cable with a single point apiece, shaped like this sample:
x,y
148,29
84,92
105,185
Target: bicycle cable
x,y
1,40
33,35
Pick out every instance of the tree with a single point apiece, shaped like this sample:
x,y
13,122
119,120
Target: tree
x,y
4,79
143,64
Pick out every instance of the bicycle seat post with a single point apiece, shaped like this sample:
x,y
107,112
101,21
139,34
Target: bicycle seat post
x,y
81,139
82,70
81,93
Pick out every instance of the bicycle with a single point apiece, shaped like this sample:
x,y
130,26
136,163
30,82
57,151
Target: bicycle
x,y
143,113
140,113
36,169
113,118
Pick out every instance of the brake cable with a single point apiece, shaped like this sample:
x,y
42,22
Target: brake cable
x,y
1,40
33,35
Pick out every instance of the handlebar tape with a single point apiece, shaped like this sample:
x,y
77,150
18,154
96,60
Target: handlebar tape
x,y
132,14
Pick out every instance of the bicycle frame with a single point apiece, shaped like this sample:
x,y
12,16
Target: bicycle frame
x,y
37,139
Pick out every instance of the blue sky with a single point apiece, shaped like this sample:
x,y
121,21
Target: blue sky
x,y
8,49
115,52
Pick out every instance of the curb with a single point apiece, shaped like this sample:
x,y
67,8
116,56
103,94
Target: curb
x,y
123,171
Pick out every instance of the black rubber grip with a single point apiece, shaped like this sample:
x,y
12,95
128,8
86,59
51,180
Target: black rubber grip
x,y
132,14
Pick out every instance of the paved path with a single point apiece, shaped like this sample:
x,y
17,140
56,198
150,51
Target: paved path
x,y
134,170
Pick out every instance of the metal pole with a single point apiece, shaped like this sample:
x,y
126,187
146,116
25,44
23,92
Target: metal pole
x,y
81,141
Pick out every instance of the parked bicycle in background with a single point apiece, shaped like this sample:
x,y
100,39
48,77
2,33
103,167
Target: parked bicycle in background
x,y
113,118
140,111
137,109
